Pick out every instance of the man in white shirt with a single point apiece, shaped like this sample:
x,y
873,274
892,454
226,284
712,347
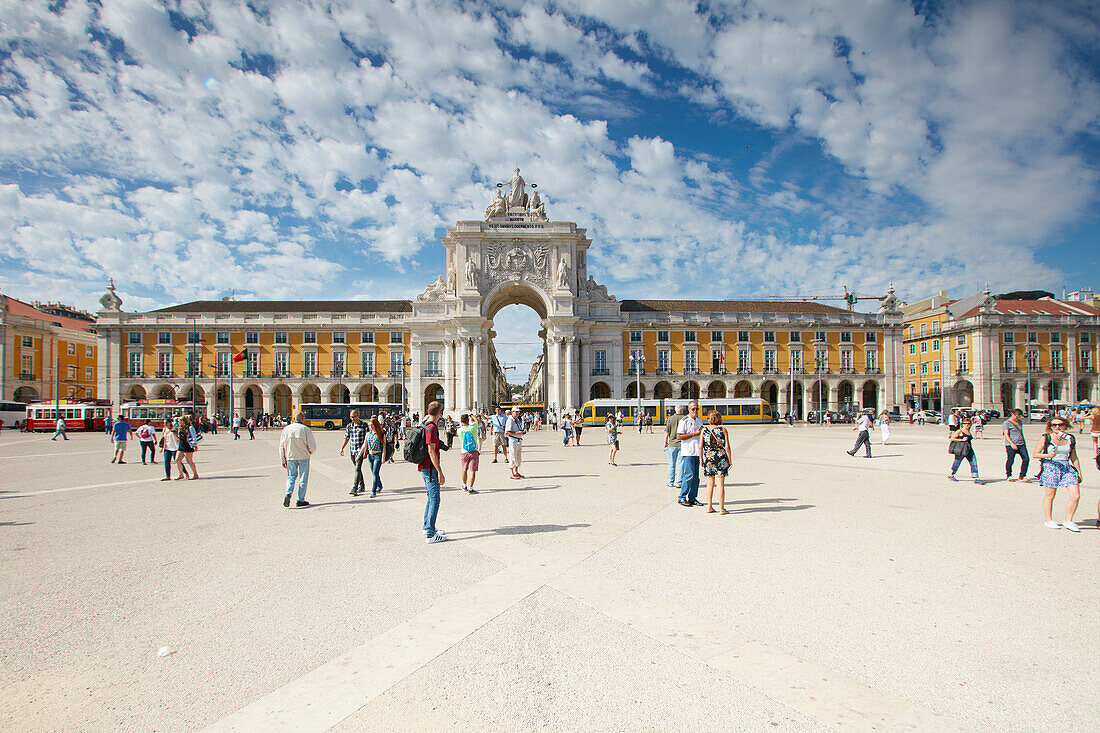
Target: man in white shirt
x,y
513,428
688,432
863,425
500,440
296,445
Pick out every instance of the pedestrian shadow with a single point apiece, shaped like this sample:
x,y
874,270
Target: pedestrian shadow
x,y
515,529
224,478
568,475
507,489
15,524
781,508
757,501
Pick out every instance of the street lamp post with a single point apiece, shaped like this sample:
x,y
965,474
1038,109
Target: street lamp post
x,y
214,371
404,393
193,363
637,360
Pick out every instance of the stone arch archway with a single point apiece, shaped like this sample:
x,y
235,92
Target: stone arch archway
x,y
368,393
689,390
137,392
165,392
742,389
964,393
846,394
283,400
632,391
394,394
310,394
434,393
870,394
1084,391
1008,397
769,392
339,393
662,391
252,400
26,394
600,391
716,390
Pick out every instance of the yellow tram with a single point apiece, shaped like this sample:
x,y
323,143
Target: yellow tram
x,y
734,411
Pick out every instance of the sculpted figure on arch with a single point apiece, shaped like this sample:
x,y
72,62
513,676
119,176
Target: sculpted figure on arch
x,y
563,273
516,197
497,207
471,274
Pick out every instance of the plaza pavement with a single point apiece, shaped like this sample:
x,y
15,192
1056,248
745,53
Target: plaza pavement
x,y
840,593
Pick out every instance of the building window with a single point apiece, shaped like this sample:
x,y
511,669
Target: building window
x,y
164,363
251,337
846,337
689,336
960,340
192,363
135,364
367,337
912,370
221,364
923,368
397,362
164,337
872,360
870,337
339,365
87,374
635,337
912,349
194,337
1008,338
367,362
309,337
935,367
662,337
133,338
396,337
601,359
912,387
433,362
281,365
923,330
924,347
1033,360
1055,338
28,342
1056,360
769,360
309,364
935,327
1032,337
1086,358
821,359
716,336
912,332
70,373
339,337
663,362
744,361
691,360
769,337
961,362
935,344
796,360
846,360
70,349
795,336
819,336
222,337
1086,338
1010,360
282,337
88,352
743,336
26,369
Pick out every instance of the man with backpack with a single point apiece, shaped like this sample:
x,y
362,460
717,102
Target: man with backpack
x,y
470,445
422,447
500,440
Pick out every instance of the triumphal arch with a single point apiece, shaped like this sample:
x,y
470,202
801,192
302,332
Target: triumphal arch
x,y
439,345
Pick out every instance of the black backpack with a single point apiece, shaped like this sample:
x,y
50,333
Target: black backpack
x,y
415,449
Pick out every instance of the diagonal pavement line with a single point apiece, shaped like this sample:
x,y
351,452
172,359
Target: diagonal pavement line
x,y
126,483
326,695
810,688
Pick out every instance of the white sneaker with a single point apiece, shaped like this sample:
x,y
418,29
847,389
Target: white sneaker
x,y
437,537
1071,526
1052,525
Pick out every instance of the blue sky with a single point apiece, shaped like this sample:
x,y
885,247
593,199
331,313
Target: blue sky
x,y
196,150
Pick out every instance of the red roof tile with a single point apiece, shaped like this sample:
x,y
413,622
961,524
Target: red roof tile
x,y
19,308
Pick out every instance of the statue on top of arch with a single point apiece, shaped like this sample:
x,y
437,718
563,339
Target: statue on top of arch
x,y
516,198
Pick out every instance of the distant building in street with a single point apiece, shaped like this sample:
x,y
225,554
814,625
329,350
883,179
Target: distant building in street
x,y
35,341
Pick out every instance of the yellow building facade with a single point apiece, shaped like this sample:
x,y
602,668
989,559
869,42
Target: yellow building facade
x,y
46,351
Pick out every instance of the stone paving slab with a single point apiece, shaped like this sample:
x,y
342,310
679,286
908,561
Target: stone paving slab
x,y
840,592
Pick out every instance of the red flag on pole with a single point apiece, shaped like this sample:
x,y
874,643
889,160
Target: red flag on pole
x,y
240,357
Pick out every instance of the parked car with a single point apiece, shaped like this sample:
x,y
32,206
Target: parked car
x,y
895,414
1039,413
930,416
988,415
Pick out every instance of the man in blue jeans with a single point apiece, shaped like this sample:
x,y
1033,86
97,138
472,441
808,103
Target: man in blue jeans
x,y
296,445
432,473
688,432
672,445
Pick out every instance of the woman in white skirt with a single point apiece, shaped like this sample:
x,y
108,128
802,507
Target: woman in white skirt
x,y
884,426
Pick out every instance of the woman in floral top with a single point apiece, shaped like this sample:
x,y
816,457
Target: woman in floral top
x,y
612,439
716,460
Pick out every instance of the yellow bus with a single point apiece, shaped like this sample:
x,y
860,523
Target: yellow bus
x,y
734,411
335,415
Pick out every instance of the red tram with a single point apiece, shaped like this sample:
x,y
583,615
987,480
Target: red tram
x,y
87,414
